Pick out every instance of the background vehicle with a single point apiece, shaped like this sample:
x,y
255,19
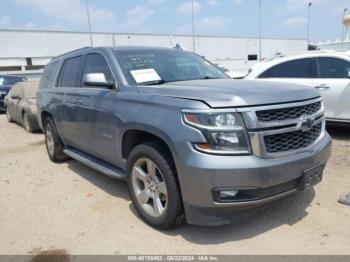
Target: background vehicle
x,y
328,72
190,141
232,74
20,105
6,82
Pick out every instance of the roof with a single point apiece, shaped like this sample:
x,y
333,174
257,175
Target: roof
x,y
118,48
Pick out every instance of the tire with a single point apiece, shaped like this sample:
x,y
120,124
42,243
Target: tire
x,y
172,213
54,145
8,116
26,123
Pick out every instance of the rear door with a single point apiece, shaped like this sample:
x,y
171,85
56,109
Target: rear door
x,y
75,121
298,71
334,83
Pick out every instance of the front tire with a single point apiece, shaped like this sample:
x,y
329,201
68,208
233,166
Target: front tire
x,y
53,142
153,186
26,123
8,116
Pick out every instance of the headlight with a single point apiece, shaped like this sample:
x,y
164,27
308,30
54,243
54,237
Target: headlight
x,y
225,132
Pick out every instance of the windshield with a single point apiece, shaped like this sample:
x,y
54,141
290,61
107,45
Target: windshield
x,y
161,66
9,80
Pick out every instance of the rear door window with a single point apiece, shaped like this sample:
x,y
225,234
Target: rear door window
x,y
330,67
69,76
300,68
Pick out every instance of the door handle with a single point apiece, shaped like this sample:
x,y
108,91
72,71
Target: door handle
x,y
322,87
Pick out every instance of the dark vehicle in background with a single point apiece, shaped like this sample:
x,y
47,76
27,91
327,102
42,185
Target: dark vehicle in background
x,y
6,82
191,142
20,105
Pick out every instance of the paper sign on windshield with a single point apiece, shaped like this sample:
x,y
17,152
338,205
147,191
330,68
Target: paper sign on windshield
x,y
145,75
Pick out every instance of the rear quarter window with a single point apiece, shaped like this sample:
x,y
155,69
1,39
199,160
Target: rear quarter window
x,y
48,77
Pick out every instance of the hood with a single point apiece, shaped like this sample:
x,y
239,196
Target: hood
x,y
232,93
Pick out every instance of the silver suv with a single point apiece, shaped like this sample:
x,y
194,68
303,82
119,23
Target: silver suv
x,y
192,144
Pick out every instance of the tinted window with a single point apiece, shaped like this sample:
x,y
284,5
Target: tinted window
x,y
70,72
48,76
96,63
166,65
329,67
301,68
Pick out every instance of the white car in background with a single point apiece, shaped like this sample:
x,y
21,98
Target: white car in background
x,y
327,71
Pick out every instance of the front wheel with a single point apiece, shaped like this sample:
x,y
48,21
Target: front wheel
x,y
153,186
8,116
53,142
26,123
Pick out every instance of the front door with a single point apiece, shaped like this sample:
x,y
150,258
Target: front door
x,y
102,107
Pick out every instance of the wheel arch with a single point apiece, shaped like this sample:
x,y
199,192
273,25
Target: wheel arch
x,y
137,135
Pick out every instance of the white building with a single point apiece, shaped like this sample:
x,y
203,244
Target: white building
x,y
27,51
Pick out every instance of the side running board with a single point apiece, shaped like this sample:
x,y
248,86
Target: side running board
x,y
97,164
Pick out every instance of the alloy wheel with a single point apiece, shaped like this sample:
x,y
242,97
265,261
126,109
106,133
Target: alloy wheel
x,y
26,122
49,140
149,187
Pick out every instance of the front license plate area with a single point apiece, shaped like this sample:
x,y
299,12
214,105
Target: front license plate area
x,y
310,178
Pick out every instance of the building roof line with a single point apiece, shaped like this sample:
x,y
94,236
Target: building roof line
x,y
142,34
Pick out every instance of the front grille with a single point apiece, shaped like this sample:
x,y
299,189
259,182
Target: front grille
x,y
288,113
292,140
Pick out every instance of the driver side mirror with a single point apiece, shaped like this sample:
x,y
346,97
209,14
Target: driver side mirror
x,y
348,74
97,79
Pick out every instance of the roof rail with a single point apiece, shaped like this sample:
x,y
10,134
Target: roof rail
x,y
79,49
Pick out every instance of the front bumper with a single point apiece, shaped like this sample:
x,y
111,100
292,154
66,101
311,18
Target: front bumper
x,y
200,174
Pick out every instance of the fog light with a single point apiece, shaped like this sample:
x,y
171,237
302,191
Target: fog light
x,y
228,194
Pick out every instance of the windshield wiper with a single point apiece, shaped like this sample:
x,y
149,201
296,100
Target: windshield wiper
x,y
207,77
155,82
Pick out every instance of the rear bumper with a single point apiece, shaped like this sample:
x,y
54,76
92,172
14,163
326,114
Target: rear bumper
x,y
202,173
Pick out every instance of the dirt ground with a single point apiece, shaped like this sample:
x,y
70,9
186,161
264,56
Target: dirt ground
x,y
71,208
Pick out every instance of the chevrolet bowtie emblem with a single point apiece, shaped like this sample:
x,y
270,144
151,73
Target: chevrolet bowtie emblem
x,y
305,124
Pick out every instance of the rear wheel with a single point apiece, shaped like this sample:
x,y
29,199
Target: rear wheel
x,y
153,186
53,142
8,116
26,123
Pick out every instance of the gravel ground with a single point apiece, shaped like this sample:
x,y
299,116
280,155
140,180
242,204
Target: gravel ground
x,y
70,208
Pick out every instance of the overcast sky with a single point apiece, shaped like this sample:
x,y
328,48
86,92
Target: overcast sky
x,y
281,18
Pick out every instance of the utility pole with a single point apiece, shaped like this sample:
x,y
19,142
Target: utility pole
x,y
343,27
193,37
308,23
260,30
89,23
